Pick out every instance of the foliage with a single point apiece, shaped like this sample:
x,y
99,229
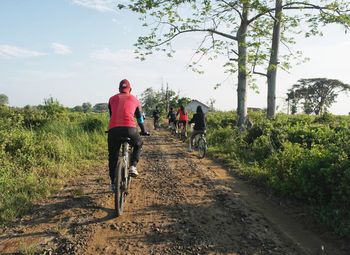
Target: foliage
x,y
316,95
4,100
183,101
100,107
39,146
303,157
239,31
92,124
78,108
52,108
164,99
87,107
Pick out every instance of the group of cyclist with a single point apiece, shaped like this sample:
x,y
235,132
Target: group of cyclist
x,y
123,108
179,119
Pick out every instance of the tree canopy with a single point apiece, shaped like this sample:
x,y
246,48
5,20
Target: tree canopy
x,y
316,95
87,107
4,100
240,31
163,99
100,107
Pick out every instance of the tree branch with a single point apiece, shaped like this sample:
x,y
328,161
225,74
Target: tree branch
x,y
232,5
302,5
212,31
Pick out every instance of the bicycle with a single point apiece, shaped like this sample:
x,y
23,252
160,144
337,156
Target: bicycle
x,y
200,144
182,132
122,179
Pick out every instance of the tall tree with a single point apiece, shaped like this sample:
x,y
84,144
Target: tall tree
x,y
290,15
225,25
78,108
317,94
4,100
183,101
292,102
163,99
272,67
100,107
239,27
87,107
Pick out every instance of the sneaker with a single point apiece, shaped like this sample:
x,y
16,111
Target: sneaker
x,y
133,172
112,187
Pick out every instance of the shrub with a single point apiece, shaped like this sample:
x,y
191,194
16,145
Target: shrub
x,y
92,125
37,151
302,157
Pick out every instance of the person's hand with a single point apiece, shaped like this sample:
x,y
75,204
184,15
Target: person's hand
x,y
145,133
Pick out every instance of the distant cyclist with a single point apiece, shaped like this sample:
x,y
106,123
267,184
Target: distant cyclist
x,y
183,117
156,117
199,125
123,107
171,118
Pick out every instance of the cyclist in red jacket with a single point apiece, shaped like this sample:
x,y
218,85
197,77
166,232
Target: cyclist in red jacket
x,y
123,107
183,117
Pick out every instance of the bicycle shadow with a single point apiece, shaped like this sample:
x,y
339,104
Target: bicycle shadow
x,y
67,212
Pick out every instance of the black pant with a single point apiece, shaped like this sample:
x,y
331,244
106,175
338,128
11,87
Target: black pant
x,y
114,143
156,122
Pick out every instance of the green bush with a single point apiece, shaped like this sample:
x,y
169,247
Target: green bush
x,y
92,125
301,156
39,147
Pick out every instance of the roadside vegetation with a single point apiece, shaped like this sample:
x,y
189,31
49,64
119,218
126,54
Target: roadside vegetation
x,y
41,146
304,157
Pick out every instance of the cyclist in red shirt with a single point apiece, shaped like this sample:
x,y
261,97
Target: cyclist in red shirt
x,y
123,107
183,117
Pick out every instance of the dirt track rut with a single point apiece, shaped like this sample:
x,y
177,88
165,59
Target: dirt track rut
x,y
178,205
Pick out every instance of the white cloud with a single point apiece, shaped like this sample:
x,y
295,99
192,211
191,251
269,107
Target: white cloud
x,y
8,51
61,49
99,5
105,54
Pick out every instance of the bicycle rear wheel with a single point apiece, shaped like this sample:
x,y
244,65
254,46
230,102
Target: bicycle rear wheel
x,y
119,197
183,134
202,147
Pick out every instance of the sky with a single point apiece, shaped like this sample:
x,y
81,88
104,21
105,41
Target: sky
x,y
78,50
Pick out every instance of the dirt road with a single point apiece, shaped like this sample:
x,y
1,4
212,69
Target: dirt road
x,y
178,205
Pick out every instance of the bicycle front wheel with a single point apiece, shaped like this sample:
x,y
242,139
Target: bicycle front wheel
x,y
119,189
202,147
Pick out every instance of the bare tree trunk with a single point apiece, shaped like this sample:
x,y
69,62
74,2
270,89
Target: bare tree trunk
x,y
242,68
272,69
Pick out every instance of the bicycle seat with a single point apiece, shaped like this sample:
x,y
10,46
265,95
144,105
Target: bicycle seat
x,y
124,139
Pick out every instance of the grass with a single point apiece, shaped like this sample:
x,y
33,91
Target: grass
x,y
36,159
28,249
